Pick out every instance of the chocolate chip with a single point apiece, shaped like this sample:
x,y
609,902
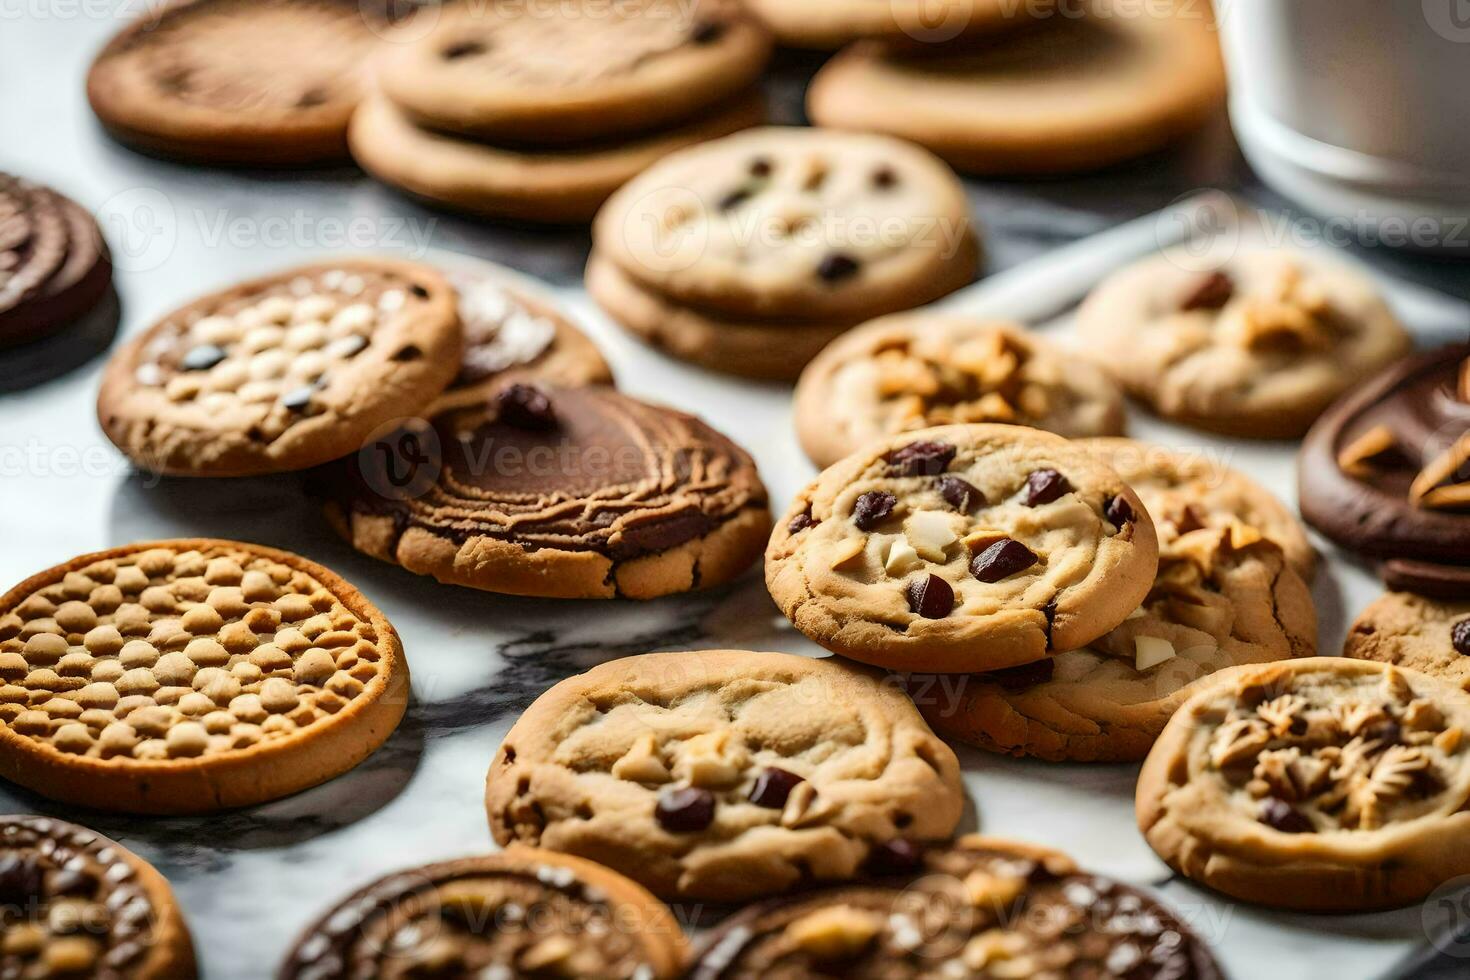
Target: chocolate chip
x,y
686,810
525,407
202,358
836,267
1281,815
802,521
409,353
463,49
1118,511
1460,637
894,857
761,167
772,787
736,198
707,31
1044,486
871,509
930,597
419,291
921,458
1022,676
22,879
960,494
1002,560
298,399
884,178
1213,292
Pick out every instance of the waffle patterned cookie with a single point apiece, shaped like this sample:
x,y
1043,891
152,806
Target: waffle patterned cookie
x,y
1415,632
1225,595
54,266
1323,784
962,548
79,905
724,775
190,676
285,372
979,908
557,492
263,82
520,913
571,72
917,370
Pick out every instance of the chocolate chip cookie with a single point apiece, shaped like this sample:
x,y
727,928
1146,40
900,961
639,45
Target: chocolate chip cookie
x,y
242,82
830,24
962,548
558,492
285,372
1386,473
573,72
54,265
1258,345
1323,784
916,370
795,224
78,904
1416,632
724,775
981,907
1225,594
1067,93
191,676
519,913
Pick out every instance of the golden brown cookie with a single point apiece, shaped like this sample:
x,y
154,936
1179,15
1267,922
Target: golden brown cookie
x,y
829,24
78,904
558,492
191,676
962,548
284,372
1324,784
724,775
1426,635
520,913
916,370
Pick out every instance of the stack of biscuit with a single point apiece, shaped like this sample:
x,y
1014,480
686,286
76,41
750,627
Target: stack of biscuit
x,y
539,112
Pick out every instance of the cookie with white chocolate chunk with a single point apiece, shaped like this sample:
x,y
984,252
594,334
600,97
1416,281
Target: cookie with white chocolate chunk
x,y
190,676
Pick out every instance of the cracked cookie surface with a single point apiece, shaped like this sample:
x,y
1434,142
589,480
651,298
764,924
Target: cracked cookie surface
x,y
1225,595
962,548
78,904
917,370
557,492
520,913
282,373
1256,345
724,775
980,907
191,676
1413,631
1323,784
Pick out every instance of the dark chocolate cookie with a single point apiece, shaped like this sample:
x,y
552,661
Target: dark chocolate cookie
x,y
54,266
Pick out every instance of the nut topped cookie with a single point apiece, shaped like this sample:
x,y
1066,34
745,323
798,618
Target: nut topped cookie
x,y
262,82
519,913
724,775
1256,345
571,72
54,265
285,372
1412,631
796,223
1226,594
191,676
1386,473
916,370
980,907
1323,784
557,492
962,548
79,905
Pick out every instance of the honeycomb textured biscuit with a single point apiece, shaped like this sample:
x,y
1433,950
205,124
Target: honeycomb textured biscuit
x,y
962,548
522,912
190,676
1324,784
78,904
285,372
724,775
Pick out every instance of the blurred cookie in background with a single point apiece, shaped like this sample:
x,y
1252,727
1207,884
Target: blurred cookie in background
x,y
829,24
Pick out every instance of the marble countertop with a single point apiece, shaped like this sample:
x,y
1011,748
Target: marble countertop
x,y
249,880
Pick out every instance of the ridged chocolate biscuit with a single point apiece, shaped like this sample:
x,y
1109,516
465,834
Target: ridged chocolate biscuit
x,y
54,265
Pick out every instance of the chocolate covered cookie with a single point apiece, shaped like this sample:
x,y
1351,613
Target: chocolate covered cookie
x,y
725,775
79,905
1416,632
560,492
191,676
520,913
54,265
284,372
1386,473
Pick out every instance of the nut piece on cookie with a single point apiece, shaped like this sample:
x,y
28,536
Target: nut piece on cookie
x,y
726,775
